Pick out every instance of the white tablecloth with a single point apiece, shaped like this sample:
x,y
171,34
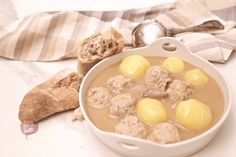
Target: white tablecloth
x,y
58,135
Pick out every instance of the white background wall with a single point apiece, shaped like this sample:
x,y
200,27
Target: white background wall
x,y
24,7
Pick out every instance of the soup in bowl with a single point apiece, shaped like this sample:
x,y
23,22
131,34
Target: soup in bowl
x,y
151,101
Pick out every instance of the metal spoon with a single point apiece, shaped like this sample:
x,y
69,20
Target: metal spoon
x,y
150,30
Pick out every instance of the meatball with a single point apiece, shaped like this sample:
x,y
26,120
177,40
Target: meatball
x,y
157,79
119,83
121,104
164,133
178,90
131,126
98,97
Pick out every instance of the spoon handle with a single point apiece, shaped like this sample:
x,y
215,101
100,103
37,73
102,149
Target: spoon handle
x,y
205,26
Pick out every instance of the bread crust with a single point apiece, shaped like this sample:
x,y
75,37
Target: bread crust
x,y
58,94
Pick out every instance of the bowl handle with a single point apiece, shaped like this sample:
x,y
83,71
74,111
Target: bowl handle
x,y
170,45
129,146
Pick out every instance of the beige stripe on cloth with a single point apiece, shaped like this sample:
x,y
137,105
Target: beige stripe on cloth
x,y
52,36
39,32
23,46
65,34
9,37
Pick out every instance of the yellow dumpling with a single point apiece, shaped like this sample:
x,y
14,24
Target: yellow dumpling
x,y
193,114
196,77
151,111
134,66
174,65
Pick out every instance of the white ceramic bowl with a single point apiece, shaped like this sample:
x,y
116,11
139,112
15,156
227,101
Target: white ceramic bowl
x,y
131,146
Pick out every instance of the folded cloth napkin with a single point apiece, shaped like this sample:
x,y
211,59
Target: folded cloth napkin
x,y
213,45
53,36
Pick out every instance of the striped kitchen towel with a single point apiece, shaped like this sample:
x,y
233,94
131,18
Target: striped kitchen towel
x,y
50,36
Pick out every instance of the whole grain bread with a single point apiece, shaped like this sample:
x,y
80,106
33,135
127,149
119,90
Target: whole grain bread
x,y
59,93
97,47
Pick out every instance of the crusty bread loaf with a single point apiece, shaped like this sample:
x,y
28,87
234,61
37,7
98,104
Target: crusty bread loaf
x,y
59,93
97,47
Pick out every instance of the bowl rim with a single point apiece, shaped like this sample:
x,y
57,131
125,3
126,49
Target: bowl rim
x,y
215,127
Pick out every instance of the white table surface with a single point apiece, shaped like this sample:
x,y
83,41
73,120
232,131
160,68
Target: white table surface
x,y
58,135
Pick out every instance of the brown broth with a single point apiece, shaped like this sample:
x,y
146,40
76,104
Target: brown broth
x,y
209,94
